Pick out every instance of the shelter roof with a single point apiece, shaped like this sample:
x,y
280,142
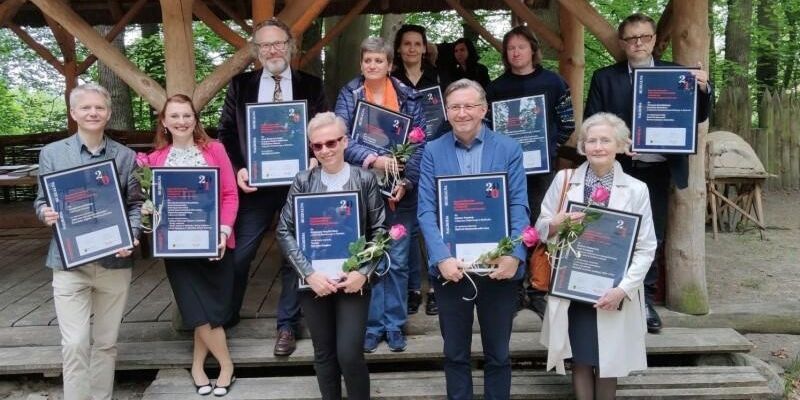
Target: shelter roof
x,y
105,12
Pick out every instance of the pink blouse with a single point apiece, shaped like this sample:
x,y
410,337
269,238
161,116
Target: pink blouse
x,y
215,156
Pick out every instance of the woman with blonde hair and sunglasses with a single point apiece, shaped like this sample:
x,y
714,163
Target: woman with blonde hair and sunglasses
x,y
335,310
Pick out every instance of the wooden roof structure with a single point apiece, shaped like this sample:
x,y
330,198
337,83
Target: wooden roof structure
x,y
684,23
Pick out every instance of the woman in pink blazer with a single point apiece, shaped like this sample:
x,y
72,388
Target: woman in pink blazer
x,y
202,287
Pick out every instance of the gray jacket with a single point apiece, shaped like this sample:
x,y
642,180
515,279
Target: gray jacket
x,y
371,210
65,154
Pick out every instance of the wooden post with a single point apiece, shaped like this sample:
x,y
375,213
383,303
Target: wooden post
x,y
233,15
176,16
8,9
596,24
535,24
571,61
215,81
663,31
263,10
124,68
685,242
304,20
66,43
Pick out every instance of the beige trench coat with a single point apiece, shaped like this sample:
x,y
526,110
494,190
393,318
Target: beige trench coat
x,y
621,334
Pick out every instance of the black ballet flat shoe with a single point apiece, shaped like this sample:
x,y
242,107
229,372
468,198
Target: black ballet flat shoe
x,y
220,391
203,390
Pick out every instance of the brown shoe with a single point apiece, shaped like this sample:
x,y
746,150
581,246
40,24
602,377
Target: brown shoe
x,y
285,344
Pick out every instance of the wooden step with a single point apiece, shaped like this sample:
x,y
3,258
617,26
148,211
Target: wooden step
x,y
258,352
654,383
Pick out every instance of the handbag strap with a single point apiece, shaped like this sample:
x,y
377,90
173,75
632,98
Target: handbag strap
x,y
567,177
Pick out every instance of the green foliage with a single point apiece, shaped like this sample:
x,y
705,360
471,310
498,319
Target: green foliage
x,y
10,111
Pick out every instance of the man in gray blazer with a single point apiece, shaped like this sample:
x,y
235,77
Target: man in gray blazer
x,y
100,287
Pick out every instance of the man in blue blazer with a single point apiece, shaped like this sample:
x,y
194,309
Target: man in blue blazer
x,y
471,148
611,90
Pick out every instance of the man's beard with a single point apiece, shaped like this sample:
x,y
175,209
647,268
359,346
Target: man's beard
x,y
276,65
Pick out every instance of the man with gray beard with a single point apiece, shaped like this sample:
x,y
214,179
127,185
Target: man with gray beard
x,y
274,46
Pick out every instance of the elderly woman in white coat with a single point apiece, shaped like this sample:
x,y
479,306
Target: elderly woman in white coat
x,y
604,342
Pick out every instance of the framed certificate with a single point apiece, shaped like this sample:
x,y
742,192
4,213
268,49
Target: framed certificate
x,y
277,146
186,223
92,216
664,111
525,119
378,128
473,214
325,225
606,249
433,109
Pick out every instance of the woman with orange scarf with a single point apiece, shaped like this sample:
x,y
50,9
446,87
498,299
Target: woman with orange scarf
x,y
388,308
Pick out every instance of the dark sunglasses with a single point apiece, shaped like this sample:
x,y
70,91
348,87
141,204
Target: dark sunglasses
x,y
331,144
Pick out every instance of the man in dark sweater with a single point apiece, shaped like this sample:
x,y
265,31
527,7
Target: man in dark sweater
x,y
611,91
525,76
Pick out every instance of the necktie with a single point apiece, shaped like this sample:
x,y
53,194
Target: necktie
x,y
278,94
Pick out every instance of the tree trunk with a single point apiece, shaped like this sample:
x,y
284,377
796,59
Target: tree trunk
x,y
685,248
733,113
122,110
343,57
768,54
391,24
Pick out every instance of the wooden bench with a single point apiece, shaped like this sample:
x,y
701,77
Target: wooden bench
x,y
155,355
655,383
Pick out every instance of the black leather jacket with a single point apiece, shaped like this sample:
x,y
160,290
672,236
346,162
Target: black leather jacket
x,y
371,211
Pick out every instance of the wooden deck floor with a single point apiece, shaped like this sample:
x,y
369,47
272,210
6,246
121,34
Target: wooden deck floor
x,y
26,294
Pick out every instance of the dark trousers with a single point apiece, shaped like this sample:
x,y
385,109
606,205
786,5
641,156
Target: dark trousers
x,y
495,308
657,178
256,212
337,324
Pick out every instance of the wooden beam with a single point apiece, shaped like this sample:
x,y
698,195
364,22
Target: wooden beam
x,y
233,15
685,248
263,10
38,48
176,16
572,62
112,34
337,30
227,34
597,25
305,19
124,68
217,80
535,24
9,9
473,23
663,31
65,41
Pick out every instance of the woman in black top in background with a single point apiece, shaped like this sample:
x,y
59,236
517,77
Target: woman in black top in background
x,y
466,65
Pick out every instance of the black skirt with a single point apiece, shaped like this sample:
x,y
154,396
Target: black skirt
x,y
203,289
583,334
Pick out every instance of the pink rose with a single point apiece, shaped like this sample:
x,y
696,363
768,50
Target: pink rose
x,y
417,135
530,236
600,195
397,232
142,160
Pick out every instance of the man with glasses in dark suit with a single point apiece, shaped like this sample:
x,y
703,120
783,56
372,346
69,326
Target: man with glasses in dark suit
x,y
611,90
274,46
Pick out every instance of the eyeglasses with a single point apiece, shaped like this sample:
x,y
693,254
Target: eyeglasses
x,y
331,144
466,107
280,45
631,40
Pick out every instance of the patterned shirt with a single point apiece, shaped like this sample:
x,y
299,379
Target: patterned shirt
x,y
592,181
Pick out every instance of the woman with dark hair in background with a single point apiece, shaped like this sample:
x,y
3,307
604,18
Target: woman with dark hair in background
x,y
415,70
467,65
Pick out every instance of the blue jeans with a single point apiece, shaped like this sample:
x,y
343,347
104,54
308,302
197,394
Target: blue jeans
x,y
388,309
